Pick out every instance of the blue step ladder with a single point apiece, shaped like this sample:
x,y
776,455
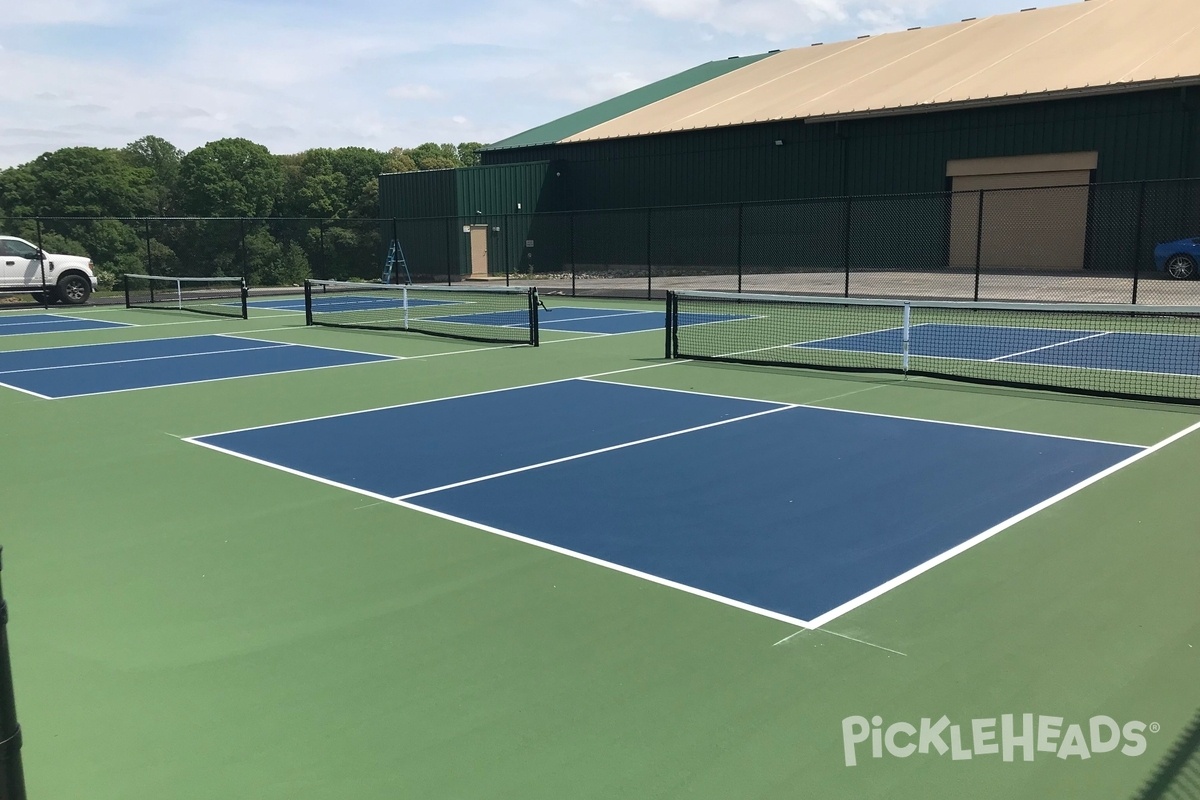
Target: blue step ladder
x,y
395,257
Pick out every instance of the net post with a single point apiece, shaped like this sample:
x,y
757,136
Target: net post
x,y
179,293
126,279
245,299
534,334
905,335
670,316
404,296
12,775
308,320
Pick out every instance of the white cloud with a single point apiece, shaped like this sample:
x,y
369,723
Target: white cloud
x,y
414,91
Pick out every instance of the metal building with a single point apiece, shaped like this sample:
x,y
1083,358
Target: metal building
x,y
1053,139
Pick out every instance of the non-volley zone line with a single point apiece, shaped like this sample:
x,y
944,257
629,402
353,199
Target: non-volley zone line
x,y
61,372
28,324
784,510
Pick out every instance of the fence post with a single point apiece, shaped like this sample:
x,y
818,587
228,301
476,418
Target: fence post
x,y
1137,240
395,277
649,269
149,258
42,262
450,224
978,243
12,775
739,247
321,263
242,248
846,249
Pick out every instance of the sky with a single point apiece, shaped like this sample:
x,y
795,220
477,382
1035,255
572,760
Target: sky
x,y
297,74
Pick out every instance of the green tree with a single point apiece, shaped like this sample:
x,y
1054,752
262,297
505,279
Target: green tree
x,y
230,178
399,160
468,153
435,156
162,158
87,182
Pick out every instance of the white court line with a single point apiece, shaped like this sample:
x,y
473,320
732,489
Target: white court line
x,y
312,346
811,404
905,577
188,321
814,624
765,612
215,380
26,391
440,399
271,346
23,320
1049,346
615,313
126,341
796,633
598,451
105,325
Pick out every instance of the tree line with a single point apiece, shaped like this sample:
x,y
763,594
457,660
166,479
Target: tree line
x,y
126,207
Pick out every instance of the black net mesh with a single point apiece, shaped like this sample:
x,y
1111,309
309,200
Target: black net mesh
x,y
1142,352
499,314
222,297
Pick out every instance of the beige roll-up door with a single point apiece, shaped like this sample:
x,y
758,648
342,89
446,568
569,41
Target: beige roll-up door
x,y
1034,211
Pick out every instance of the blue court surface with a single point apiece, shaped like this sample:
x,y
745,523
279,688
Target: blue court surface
x,y
566,319
1082,349
789,511
19,324
120,366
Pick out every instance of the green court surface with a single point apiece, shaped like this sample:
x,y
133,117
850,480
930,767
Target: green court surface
x,y
185,624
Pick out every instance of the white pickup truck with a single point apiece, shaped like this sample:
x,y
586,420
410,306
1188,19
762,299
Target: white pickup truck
x,y
68,279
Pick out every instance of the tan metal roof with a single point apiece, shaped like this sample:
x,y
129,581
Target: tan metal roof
x,y
1091,46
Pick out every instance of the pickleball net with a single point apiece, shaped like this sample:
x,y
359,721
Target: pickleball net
x,y
1133,352
222,297
504,315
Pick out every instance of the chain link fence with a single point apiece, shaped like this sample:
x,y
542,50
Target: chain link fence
x,y
1081,244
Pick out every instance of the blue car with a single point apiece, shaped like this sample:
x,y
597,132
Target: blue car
x,y
1179,258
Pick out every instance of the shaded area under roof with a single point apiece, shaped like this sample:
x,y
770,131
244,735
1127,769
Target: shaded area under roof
x,y
603,112
1087,47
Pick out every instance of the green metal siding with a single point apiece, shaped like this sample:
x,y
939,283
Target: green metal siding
x,y
432,207
418,194
1140,135
630,101
501,189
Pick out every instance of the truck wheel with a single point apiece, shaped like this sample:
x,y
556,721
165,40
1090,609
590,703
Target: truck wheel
x,y
74,289
48,298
